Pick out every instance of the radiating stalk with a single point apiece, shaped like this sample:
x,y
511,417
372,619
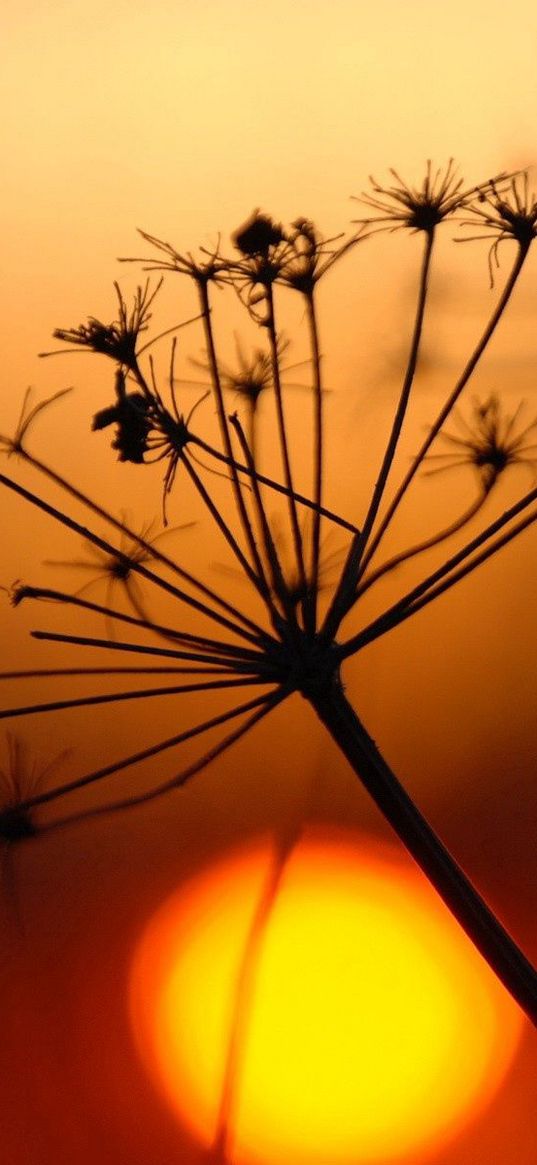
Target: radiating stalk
x,y
451,401
426,544
284,443
138,567
225,434
275,485
279,585
352,572
445,576
317,452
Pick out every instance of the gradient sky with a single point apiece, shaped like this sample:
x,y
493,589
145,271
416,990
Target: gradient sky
x,y
180,118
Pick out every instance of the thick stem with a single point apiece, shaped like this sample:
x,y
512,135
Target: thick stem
x,y
470,910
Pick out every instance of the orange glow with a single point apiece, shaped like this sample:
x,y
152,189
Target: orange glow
x,y
374,1032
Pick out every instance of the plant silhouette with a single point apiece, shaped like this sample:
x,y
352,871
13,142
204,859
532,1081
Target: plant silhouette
x,y
298,644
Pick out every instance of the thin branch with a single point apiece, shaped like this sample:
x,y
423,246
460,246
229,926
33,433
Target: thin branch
x,y
182,778
408,604
256,573
224,430
278,581
284,444
48,673
184,638
141,649
450,403
461,573
317,450
231,625
276,486
426,544
351,571
260,702
120,697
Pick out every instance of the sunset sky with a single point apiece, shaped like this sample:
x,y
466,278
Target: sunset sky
x,y
180,118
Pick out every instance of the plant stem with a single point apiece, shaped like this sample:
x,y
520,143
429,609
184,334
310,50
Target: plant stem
x,y
278,582
274,485
152,551
446,575
352,570
477,920
224,431
451,401
284,444
427,544
317,451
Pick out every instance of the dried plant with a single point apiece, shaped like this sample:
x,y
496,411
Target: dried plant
x,y
299,643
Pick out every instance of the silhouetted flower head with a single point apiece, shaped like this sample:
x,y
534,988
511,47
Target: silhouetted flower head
x,y
208,268
131,414
264,248
258,235
15,444
501,214
310,255
117,570
490,444
119,339
420,208
252,376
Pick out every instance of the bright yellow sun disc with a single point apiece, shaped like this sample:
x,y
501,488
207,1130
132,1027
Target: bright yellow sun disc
x,y
363,1028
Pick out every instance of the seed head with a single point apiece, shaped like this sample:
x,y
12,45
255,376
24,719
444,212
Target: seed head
x,y
118,340
257,236
422,208
490,444
504,214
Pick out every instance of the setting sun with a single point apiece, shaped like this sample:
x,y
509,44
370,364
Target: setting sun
x,y
369,1028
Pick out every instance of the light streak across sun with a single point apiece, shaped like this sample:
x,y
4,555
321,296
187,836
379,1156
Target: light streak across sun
x,y
374,1032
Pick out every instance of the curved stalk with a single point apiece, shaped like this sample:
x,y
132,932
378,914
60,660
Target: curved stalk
x,y
284,444
351,571
451,401
446,575
427,544
466,904
225,434
317,451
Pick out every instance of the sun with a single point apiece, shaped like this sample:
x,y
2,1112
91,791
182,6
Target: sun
x,y
370,1031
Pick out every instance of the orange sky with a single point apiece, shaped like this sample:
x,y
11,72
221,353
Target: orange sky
x,y
179,118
